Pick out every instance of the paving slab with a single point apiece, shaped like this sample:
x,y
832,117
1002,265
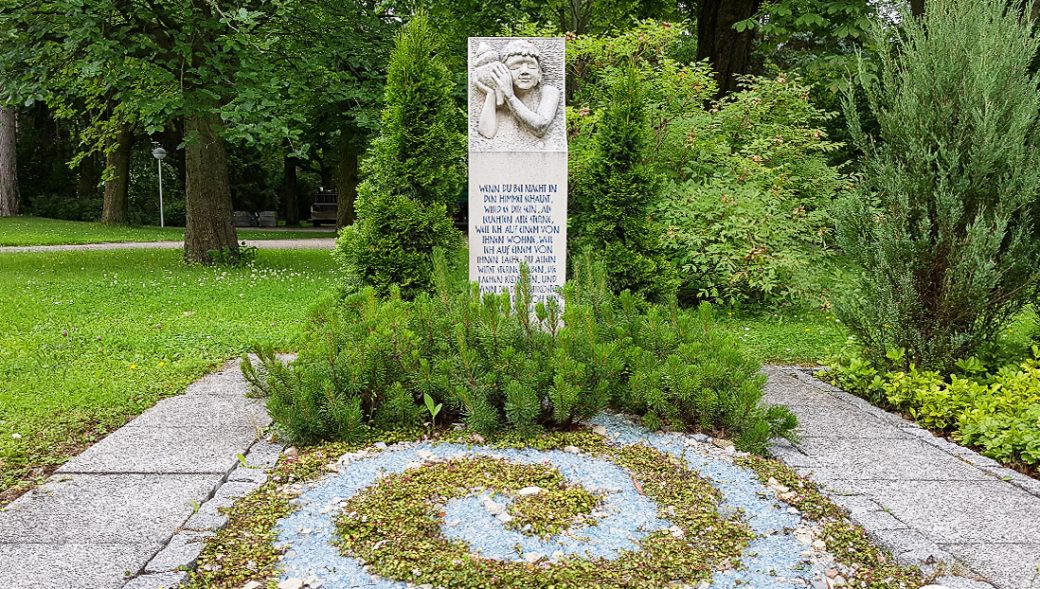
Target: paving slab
x,y
105,509
165,450
67,566
157,581
961,511
1012,566
784,389
205,411
888,458
837,420
181,553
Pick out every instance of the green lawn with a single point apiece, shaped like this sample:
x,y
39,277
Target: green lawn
x,y
788,337
88,340
23,231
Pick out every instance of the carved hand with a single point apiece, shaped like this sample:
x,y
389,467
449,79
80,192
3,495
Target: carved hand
x,y
503,79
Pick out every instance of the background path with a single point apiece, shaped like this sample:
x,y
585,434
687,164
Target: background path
x,y
280,244
932,502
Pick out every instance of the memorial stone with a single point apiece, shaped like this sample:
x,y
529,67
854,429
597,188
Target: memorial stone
x,y
517,163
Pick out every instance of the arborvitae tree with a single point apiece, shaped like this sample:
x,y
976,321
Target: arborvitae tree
x,y
942,229
414,174
613,195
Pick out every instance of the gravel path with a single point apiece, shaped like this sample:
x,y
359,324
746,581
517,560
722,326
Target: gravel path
x,y
133,509
276,244
929,500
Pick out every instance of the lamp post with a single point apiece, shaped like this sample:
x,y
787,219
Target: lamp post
x,y
159,153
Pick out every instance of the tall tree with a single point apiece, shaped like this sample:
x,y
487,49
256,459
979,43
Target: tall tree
x,y
726,45
8,163
117,184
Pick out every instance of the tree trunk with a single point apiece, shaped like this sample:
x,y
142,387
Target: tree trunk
x,y
291,193
917,7
8,163
347,181
117,187
728,51
88,177
209,225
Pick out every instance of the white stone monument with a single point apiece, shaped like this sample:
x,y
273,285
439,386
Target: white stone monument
x,y
517,163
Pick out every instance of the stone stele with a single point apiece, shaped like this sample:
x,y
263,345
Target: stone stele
x,y
517,163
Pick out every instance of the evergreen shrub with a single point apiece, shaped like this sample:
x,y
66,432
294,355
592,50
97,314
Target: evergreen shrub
x,y
505,366
612,196
413,175
942,230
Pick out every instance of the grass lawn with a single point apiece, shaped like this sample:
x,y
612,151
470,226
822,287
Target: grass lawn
x,y
787,337
89,340
24,231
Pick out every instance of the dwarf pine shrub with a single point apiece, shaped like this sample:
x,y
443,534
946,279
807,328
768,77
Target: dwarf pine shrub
x,y
942,229
413,176
501,363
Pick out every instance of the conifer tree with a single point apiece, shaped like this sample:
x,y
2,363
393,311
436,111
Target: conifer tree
x,y
613,196
413,175
942,229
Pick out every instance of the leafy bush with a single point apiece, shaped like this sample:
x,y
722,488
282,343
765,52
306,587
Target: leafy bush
x,y
748,209
613,195
497,365
942,230
413,176
997,412
747,184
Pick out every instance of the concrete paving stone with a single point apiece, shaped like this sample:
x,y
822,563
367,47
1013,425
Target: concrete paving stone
x,y
790,454
911,548
245,474
782,389
181,553
1009,566
205,411
838,420
960,511
953,582
886,459
106,509
209,516
157,581
264,454
877,521
68,566
234,490
165,450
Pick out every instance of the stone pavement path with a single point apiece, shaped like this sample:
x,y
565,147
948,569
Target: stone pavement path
x,y
286,244
932,502
135,507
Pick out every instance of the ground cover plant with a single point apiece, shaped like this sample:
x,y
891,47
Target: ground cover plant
x,y
500,363
91,339
25,231
441,512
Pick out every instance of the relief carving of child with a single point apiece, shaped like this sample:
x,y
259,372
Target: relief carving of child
x,y
514,96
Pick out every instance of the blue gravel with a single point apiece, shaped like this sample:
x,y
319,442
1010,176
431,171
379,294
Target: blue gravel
x,y
772,560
